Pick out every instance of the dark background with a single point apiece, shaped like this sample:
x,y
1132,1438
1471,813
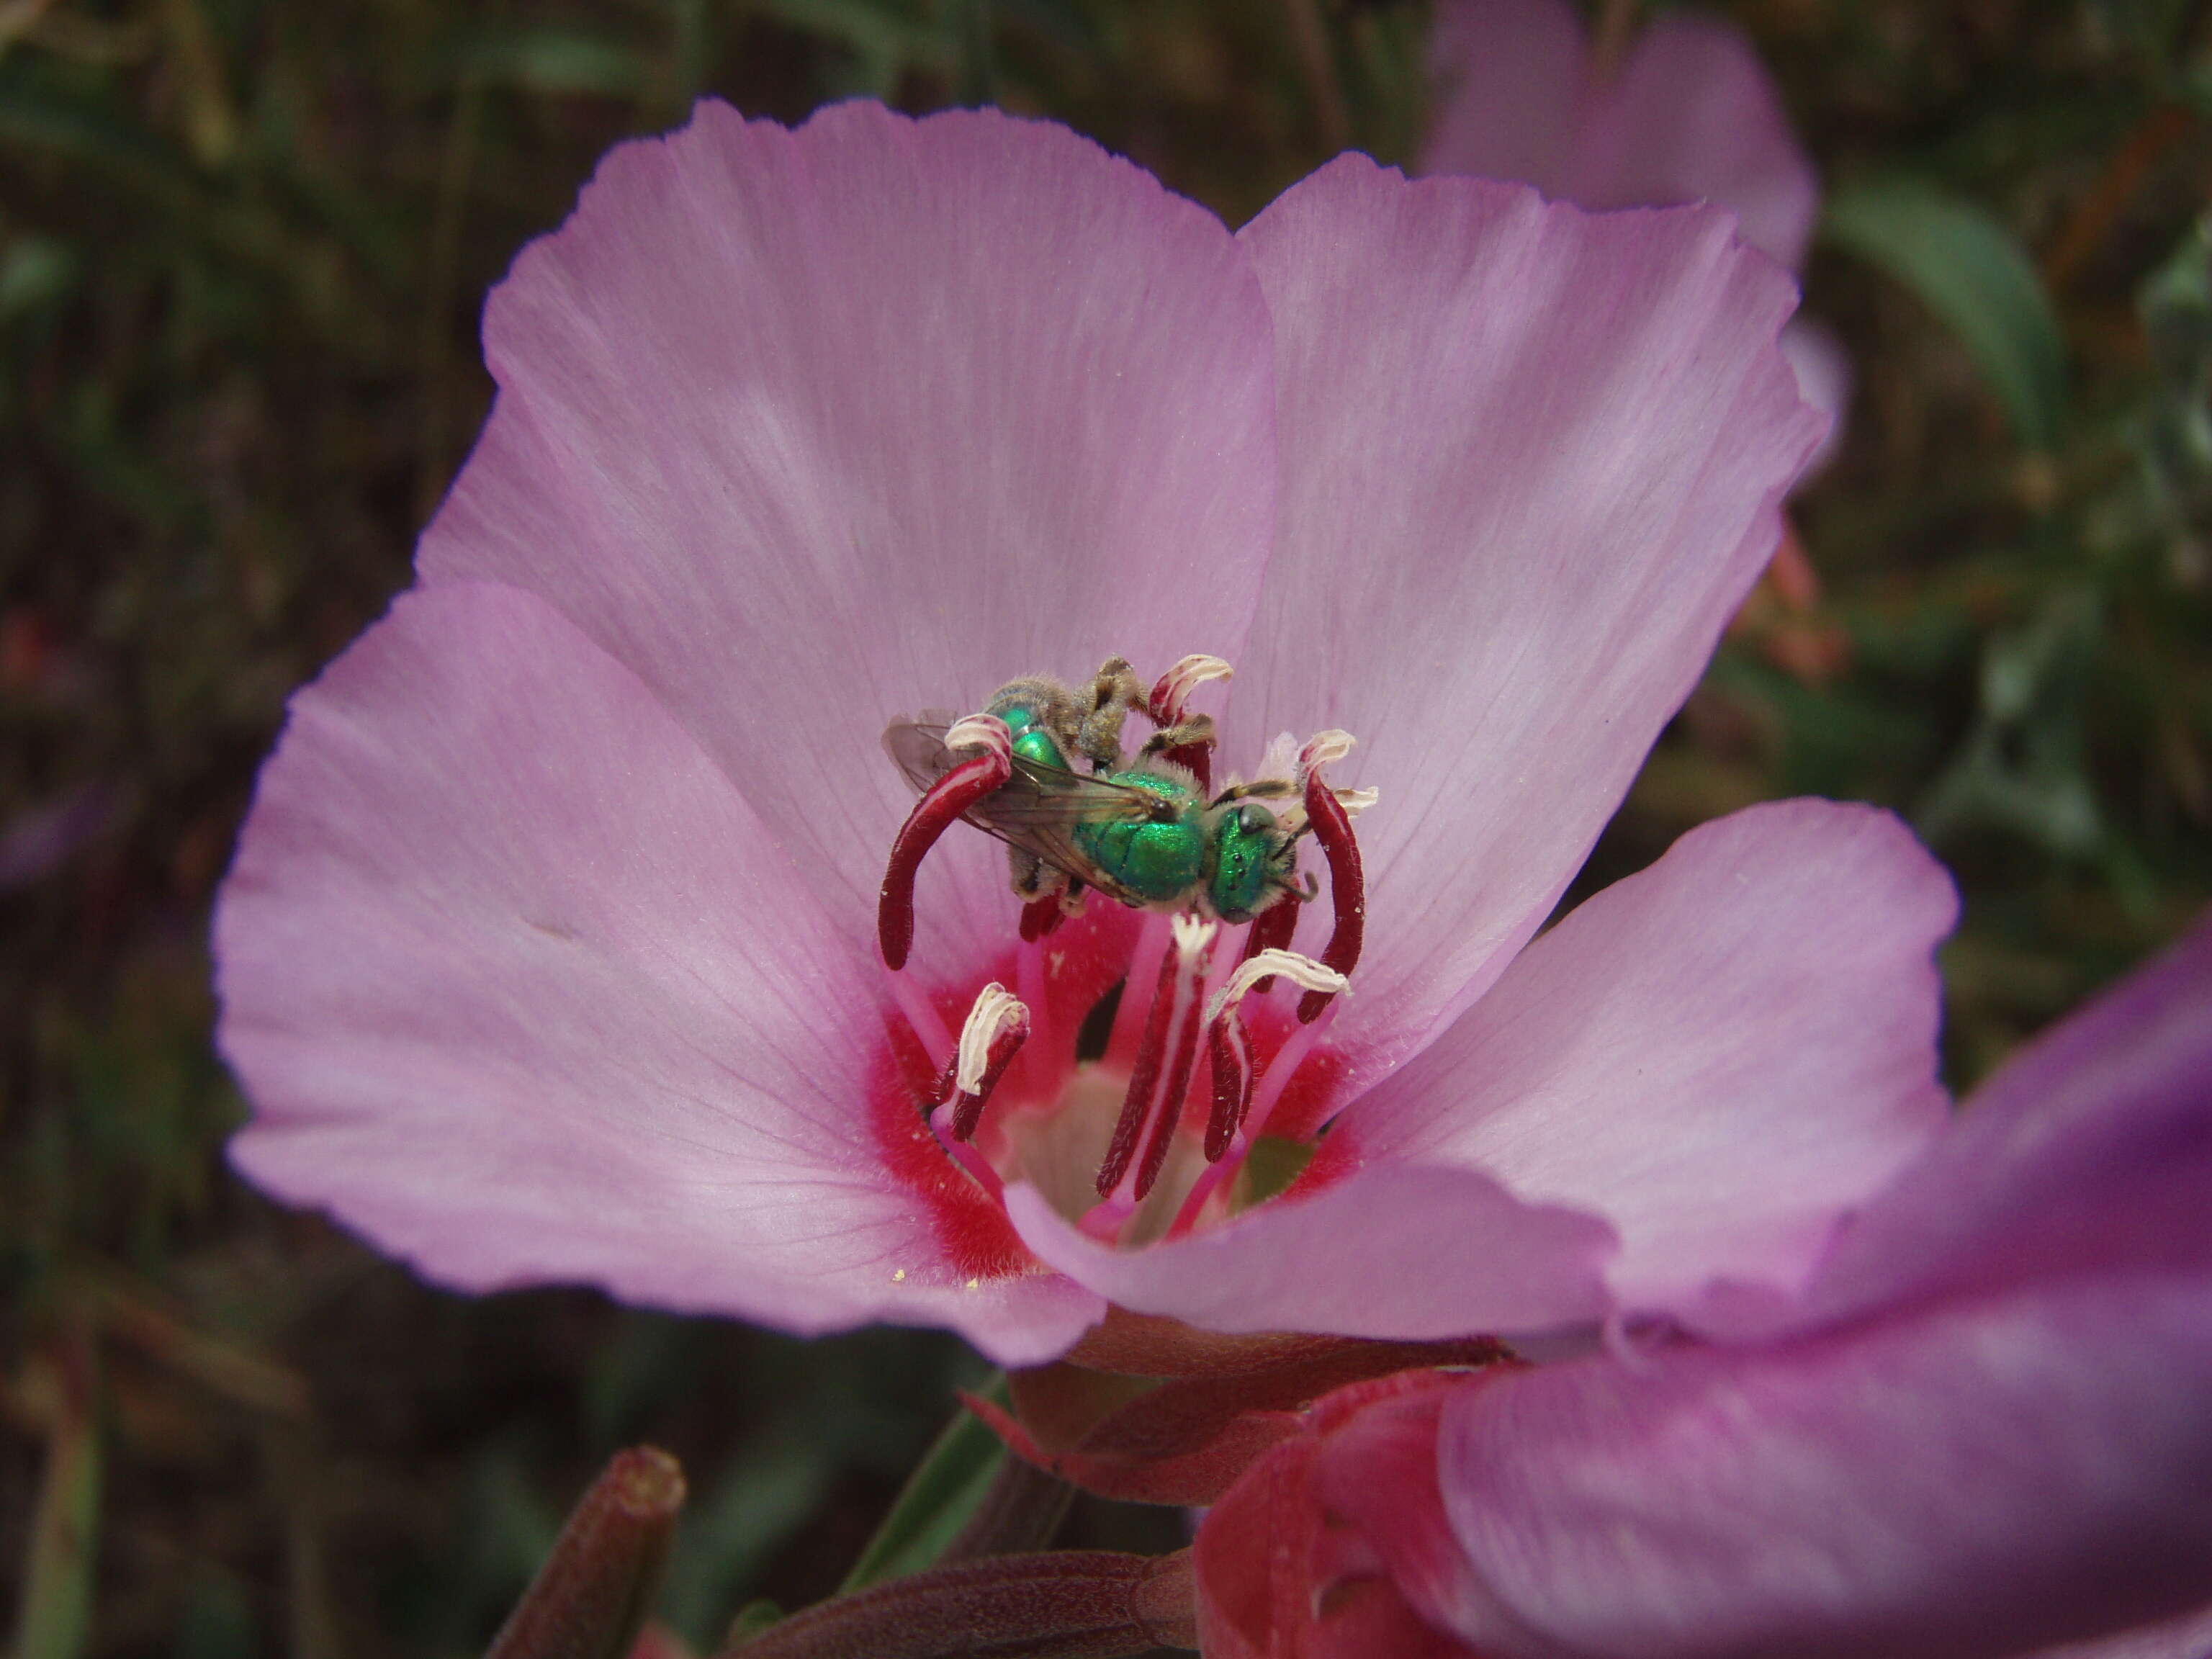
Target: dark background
x,y
243,245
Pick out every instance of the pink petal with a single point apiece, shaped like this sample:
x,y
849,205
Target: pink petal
x,y
2091,1150
1694,117
1531,461
522,990
1691,116
1825,380
1980,1480
2187,1637
1510,76
814,429
1719,1055
1395,1253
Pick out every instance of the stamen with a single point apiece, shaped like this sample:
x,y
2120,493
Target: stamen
x,y
1301,971
967,1157
1271,930
996,1026
1142,1080
992,735
1356,801
1173,689
1257,1106
940,807
1127,1039
1347,886
1171,1029
1230,1049
1165,1120
1170,693
1322,749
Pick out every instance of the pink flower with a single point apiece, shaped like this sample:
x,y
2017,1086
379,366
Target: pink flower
x,y
551,950
1689,114
1981,1430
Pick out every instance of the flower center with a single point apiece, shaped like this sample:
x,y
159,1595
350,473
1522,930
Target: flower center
x,y
1151,1063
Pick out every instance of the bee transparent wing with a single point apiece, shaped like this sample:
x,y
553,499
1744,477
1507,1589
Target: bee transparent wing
x,y
1039,807
1034,810
917,748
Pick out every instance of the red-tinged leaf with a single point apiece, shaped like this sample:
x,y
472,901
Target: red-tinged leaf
x,y
1280,1577
1195,1477
1184,1440
1146,1345
1066,1604
1253,1557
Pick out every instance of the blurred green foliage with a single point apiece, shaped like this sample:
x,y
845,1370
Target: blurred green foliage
x,y
242,248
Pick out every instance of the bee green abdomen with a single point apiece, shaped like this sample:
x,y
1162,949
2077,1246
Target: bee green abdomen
x,y
1158,861
1037,746
1242,875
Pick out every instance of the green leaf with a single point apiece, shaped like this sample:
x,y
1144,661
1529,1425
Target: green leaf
x,y
55,1614
1970,270
936,1502
553,61
34,271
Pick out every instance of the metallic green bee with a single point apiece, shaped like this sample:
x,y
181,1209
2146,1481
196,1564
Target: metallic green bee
x,y
1144,832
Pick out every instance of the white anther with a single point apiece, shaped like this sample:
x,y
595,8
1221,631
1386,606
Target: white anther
x,y
1301,971
985,732
1325,748
997,1011
1192,934
1355,801
1187,676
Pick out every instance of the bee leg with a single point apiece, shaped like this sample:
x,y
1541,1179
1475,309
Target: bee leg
x,y
1114,690
1193,731
1258,789
1185,738
1034,880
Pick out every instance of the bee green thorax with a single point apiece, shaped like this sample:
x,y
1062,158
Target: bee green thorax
x,y
1159,862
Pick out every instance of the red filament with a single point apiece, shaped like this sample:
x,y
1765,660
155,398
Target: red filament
x,y
968,1109
946,802
1229,1047
1171,1110
1144,1078
1347,887
1271,930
